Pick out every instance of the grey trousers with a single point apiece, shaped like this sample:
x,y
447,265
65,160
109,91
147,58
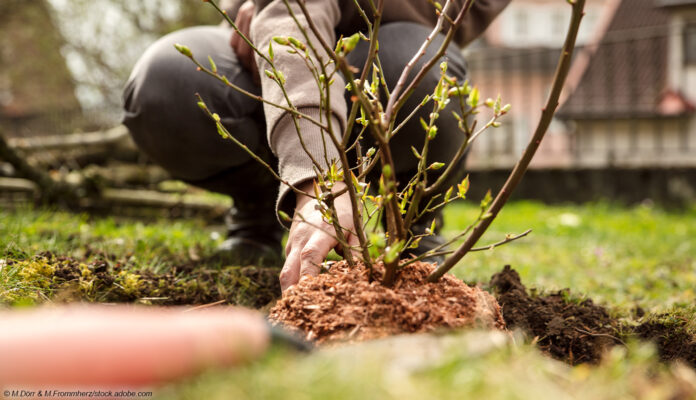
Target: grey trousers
x,y
165,122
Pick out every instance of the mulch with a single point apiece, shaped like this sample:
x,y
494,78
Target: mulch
x,y
344,305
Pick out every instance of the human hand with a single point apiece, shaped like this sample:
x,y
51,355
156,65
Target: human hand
x,y
311,239
244,52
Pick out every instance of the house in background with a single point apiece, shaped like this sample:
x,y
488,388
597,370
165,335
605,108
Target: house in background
x,y
517,58
632,99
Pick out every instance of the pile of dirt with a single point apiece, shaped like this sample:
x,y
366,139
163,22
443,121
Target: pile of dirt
x,y
580,331
673,340
102,279
344,304
572,332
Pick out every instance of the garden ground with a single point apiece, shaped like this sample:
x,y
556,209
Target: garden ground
x,y
639,262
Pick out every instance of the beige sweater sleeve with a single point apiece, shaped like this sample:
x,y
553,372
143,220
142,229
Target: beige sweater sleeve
x,y
294,165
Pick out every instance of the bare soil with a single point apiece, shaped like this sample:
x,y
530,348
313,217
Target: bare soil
x,y
580,331
344,304
673,341
573,332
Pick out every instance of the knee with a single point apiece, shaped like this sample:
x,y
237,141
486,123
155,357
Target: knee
x,y
399,42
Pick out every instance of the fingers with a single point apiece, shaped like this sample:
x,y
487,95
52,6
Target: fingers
x,y
314,253
304,257
290,273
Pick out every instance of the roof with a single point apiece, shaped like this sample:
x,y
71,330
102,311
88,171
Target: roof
x,y
626,77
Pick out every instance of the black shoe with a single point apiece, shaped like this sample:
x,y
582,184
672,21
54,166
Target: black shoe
x,y
253,238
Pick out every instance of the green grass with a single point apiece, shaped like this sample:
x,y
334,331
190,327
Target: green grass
x,y
621,257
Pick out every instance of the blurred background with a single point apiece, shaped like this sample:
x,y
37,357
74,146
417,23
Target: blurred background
x,y
625,130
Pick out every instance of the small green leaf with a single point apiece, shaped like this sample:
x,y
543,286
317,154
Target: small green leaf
x,y
392,253
486,200
387,171
213,67
448,194
473,99
424,125
348,44
415,153
414,244
432,132
463,187
270,50
431,229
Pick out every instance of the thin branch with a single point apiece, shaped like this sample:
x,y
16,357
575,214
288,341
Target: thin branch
x,y
522,165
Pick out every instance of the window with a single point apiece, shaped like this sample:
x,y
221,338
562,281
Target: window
x,y
690,44
558,23
521,23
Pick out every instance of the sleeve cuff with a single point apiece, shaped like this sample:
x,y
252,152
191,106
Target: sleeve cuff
x,y
294,165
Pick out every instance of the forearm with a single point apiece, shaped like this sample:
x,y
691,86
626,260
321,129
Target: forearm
x,y
301,90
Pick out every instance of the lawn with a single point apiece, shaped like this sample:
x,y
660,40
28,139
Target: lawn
x,y
633,260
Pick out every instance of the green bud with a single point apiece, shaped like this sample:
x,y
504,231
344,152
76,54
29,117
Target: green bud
x,y
281,40
280,76
448,194
284,216
436,165
213,67
432,132
183,50
387,171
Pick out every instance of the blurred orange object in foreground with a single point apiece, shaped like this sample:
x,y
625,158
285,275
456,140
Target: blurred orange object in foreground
x,y
122,345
